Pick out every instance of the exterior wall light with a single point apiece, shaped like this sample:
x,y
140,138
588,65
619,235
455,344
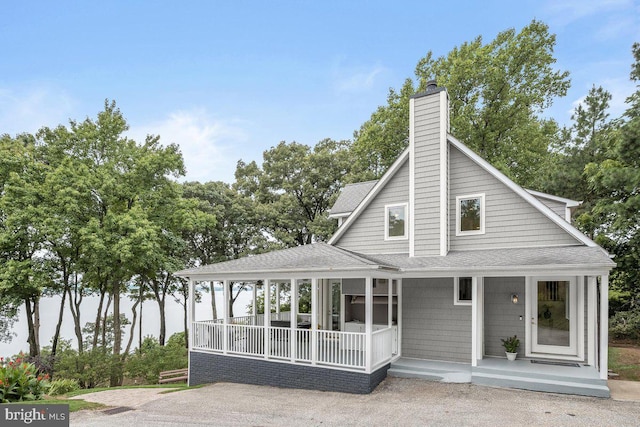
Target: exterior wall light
x,y
514,298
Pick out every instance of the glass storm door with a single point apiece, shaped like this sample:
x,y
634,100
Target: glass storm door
x,y
553,316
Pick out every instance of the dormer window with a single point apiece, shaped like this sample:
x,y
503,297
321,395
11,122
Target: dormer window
x,y
395,223
470,215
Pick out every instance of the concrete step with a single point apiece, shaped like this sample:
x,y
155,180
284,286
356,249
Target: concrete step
x,y
563,386
579,377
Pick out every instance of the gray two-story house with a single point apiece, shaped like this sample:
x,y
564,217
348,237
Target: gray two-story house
x,y
432,266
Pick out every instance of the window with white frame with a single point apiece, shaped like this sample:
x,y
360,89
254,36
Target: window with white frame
x,y
462,289
396,226
470,215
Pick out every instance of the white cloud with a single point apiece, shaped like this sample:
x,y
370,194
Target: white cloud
x,y
564,12
29,109
348,78
206,142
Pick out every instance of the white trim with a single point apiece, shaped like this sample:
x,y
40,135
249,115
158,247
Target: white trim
x,y
544,209
395,167
569,202
604,326
368,323
412,177
444,201
480,196
456,291
339,215
592,309
575,350
474,320
405,235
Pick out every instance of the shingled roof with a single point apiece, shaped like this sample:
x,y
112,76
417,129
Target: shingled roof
x,y
324,258
350,197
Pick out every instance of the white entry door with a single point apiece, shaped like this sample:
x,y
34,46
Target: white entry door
x,y
554,316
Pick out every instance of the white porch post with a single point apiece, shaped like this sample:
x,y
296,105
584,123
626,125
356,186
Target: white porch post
x,y
592,307
267,317
474,321
390,304
314,321
278,299
604,326
254,307
225,314
399,318
191,312
368,318
294,318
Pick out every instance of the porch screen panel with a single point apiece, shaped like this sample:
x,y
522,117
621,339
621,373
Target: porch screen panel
x,y
553,313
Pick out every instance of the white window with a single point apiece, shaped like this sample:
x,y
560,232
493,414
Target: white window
x,y
470,215
462,289
396,225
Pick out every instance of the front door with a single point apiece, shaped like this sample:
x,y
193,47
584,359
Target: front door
x,y
554,316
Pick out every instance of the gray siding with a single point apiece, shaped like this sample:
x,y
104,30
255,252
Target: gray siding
x,y
558,207
366,234
501,316
427,175
432,327
509,220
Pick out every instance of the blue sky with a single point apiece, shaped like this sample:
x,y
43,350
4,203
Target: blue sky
x,y
228,80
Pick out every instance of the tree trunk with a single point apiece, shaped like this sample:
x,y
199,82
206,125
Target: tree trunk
x,y
117,333
214,308
96,332
36,322
31,339
56,335
133,327
104,320
140,298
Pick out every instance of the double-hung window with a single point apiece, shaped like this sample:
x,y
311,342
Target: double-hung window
x,y
470,215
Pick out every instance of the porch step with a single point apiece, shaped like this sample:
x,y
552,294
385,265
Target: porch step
x,y
430,370
581,387
581,375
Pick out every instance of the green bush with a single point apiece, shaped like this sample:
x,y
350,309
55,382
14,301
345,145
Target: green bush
x,y
626,325
63,386
152,358
91,368
20,381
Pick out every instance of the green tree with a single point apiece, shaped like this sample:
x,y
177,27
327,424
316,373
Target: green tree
x,y
497,93
295,188
617,179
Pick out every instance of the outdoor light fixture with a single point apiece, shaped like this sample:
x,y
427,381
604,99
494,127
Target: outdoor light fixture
x,y
514,298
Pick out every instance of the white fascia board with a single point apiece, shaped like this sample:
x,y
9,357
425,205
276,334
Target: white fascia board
x,y
370,196
544,209
339,215
412,178
568,202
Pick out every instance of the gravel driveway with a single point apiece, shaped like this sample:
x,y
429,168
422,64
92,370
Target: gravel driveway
x,y
397,401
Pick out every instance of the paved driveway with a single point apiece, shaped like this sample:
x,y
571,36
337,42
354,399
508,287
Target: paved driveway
x,y
396,402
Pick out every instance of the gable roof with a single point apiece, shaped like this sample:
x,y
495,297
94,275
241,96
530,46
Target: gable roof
x,y
379,185
531,199
350,197
317,257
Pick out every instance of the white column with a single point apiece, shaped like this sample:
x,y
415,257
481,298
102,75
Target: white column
x,y
191,312
278,299
368,326
399,317
604,326
474,320
267,317
592,309
225,315
314,321
254,308
390,304
294,319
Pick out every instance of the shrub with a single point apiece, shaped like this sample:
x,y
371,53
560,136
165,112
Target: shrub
x,y
626,325
152,358
63,386
91,368
20,381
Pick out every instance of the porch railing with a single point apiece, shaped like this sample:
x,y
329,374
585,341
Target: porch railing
x,y
332,348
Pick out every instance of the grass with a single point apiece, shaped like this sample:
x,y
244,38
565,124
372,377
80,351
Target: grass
x,y
177,387
624,360
74,404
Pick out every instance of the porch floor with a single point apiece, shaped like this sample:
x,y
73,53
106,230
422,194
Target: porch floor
x,y
498,372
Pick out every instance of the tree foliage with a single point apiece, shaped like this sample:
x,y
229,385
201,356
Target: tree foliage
x,y
497,91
